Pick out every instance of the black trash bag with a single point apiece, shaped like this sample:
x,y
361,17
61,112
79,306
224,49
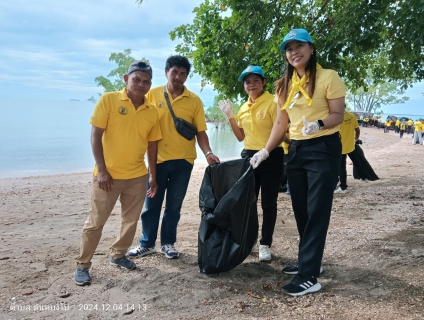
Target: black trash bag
x,y
229,227
361,167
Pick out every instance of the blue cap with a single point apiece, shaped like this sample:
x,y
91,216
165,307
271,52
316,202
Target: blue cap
x,y
295,34
251,69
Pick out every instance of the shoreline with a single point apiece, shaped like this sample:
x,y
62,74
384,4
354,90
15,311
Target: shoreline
x,y
373,259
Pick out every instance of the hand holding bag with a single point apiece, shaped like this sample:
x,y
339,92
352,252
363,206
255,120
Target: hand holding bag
x,y
184,128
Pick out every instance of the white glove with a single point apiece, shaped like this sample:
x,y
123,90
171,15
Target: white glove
x,y
309,127
258,157
226,107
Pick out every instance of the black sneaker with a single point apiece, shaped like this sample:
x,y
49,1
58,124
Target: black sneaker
x,y
82,277
123,262
301,285
294,269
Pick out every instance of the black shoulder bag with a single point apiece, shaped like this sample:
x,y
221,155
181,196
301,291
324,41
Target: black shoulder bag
x,y
184,128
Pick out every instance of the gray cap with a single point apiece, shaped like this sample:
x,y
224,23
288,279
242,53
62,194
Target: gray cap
x,y
140,66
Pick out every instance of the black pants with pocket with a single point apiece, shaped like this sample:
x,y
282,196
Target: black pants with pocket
x,y
312,169
267,179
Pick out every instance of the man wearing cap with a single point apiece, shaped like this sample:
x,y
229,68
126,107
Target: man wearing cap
x,y
124,126
176,156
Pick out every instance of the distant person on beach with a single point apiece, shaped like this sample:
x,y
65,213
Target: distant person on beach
x,y
387,125
124,126
314,99
409,125
366,120
349,132
401,129
176,156
397,125
255,120
418,130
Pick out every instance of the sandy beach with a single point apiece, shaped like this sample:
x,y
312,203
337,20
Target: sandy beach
x,y
373,261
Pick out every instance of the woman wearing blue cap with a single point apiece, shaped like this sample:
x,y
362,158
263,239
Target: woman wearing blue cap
x,y
255,121
313,98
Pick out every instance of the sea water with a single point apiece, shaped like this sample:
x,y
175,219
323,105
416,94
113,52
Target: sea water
x,y
41,137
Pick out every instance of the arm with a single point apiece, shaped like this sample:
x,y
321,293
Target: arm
x,y
152,155
357,133
203,142
104,179
337,107
278,130
238,132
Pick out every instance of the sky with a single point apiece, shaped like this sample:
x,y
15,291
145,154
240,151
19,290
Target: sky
x,y
53,49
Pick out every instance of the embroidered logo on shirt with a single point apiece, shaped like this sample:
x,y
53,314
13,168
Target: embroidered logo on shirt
x,y
123,111
160,105
260,115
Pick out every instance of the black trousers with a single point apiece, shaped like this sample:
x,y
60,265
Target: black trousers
x,y
343,172
312,169
267,179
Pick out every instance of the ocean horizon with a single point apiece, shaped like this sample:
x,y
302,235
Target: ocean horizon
x,y
45,137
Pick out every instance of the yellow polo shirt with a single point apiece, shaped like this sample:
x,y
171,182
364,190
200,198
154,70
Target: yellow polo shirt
x,y
418,126
397,123
402,126
256,120
126,135
347,131
410,122
187,106
328,85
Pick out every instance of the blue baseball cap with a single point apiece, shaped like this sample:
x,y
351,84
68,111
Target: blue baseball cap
x,y
251,69
295,34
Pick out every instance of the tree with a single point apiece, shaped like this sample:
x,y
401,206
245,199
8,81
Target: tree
x,y
215,115
115,79
352,37
375,96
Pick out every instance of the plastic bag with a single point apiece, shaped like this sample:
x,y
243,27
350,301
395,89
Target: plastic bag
x,y
229,227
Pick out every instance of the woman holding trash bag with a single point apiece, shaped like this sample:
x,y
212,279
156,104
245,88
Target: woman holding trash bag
x,y
313,98
255,121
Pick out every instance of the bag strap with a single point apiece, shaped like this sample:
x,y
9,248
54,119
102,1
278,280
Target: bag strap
x,y
169,103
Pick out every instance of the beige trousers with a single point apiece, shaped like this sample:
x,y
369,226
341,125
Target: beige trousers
x,y
131,194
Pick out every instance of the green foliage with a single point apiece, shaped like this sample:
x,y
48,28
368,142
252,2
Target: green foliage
x,y
352,37
376,95
115,79
214,114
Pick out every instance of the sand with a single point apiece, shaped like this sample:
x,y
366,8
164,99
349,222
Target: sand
x,y
373,260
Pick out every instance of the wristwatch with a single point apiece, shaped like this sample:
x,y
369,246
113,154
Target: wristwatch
x,y
320,124
208,153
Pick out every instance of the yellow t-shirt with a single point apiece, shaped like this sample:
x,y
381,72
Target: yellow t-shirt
x,y
187,106
126,135
256,120
402,126
388,123
328,85
397,123
410,122
347,131
418,126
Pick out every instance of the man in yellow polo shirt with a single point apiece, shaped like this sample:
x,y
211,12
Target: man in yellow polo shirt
x,y
124,126
397,125
349,131
418,131
409,125
176,157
